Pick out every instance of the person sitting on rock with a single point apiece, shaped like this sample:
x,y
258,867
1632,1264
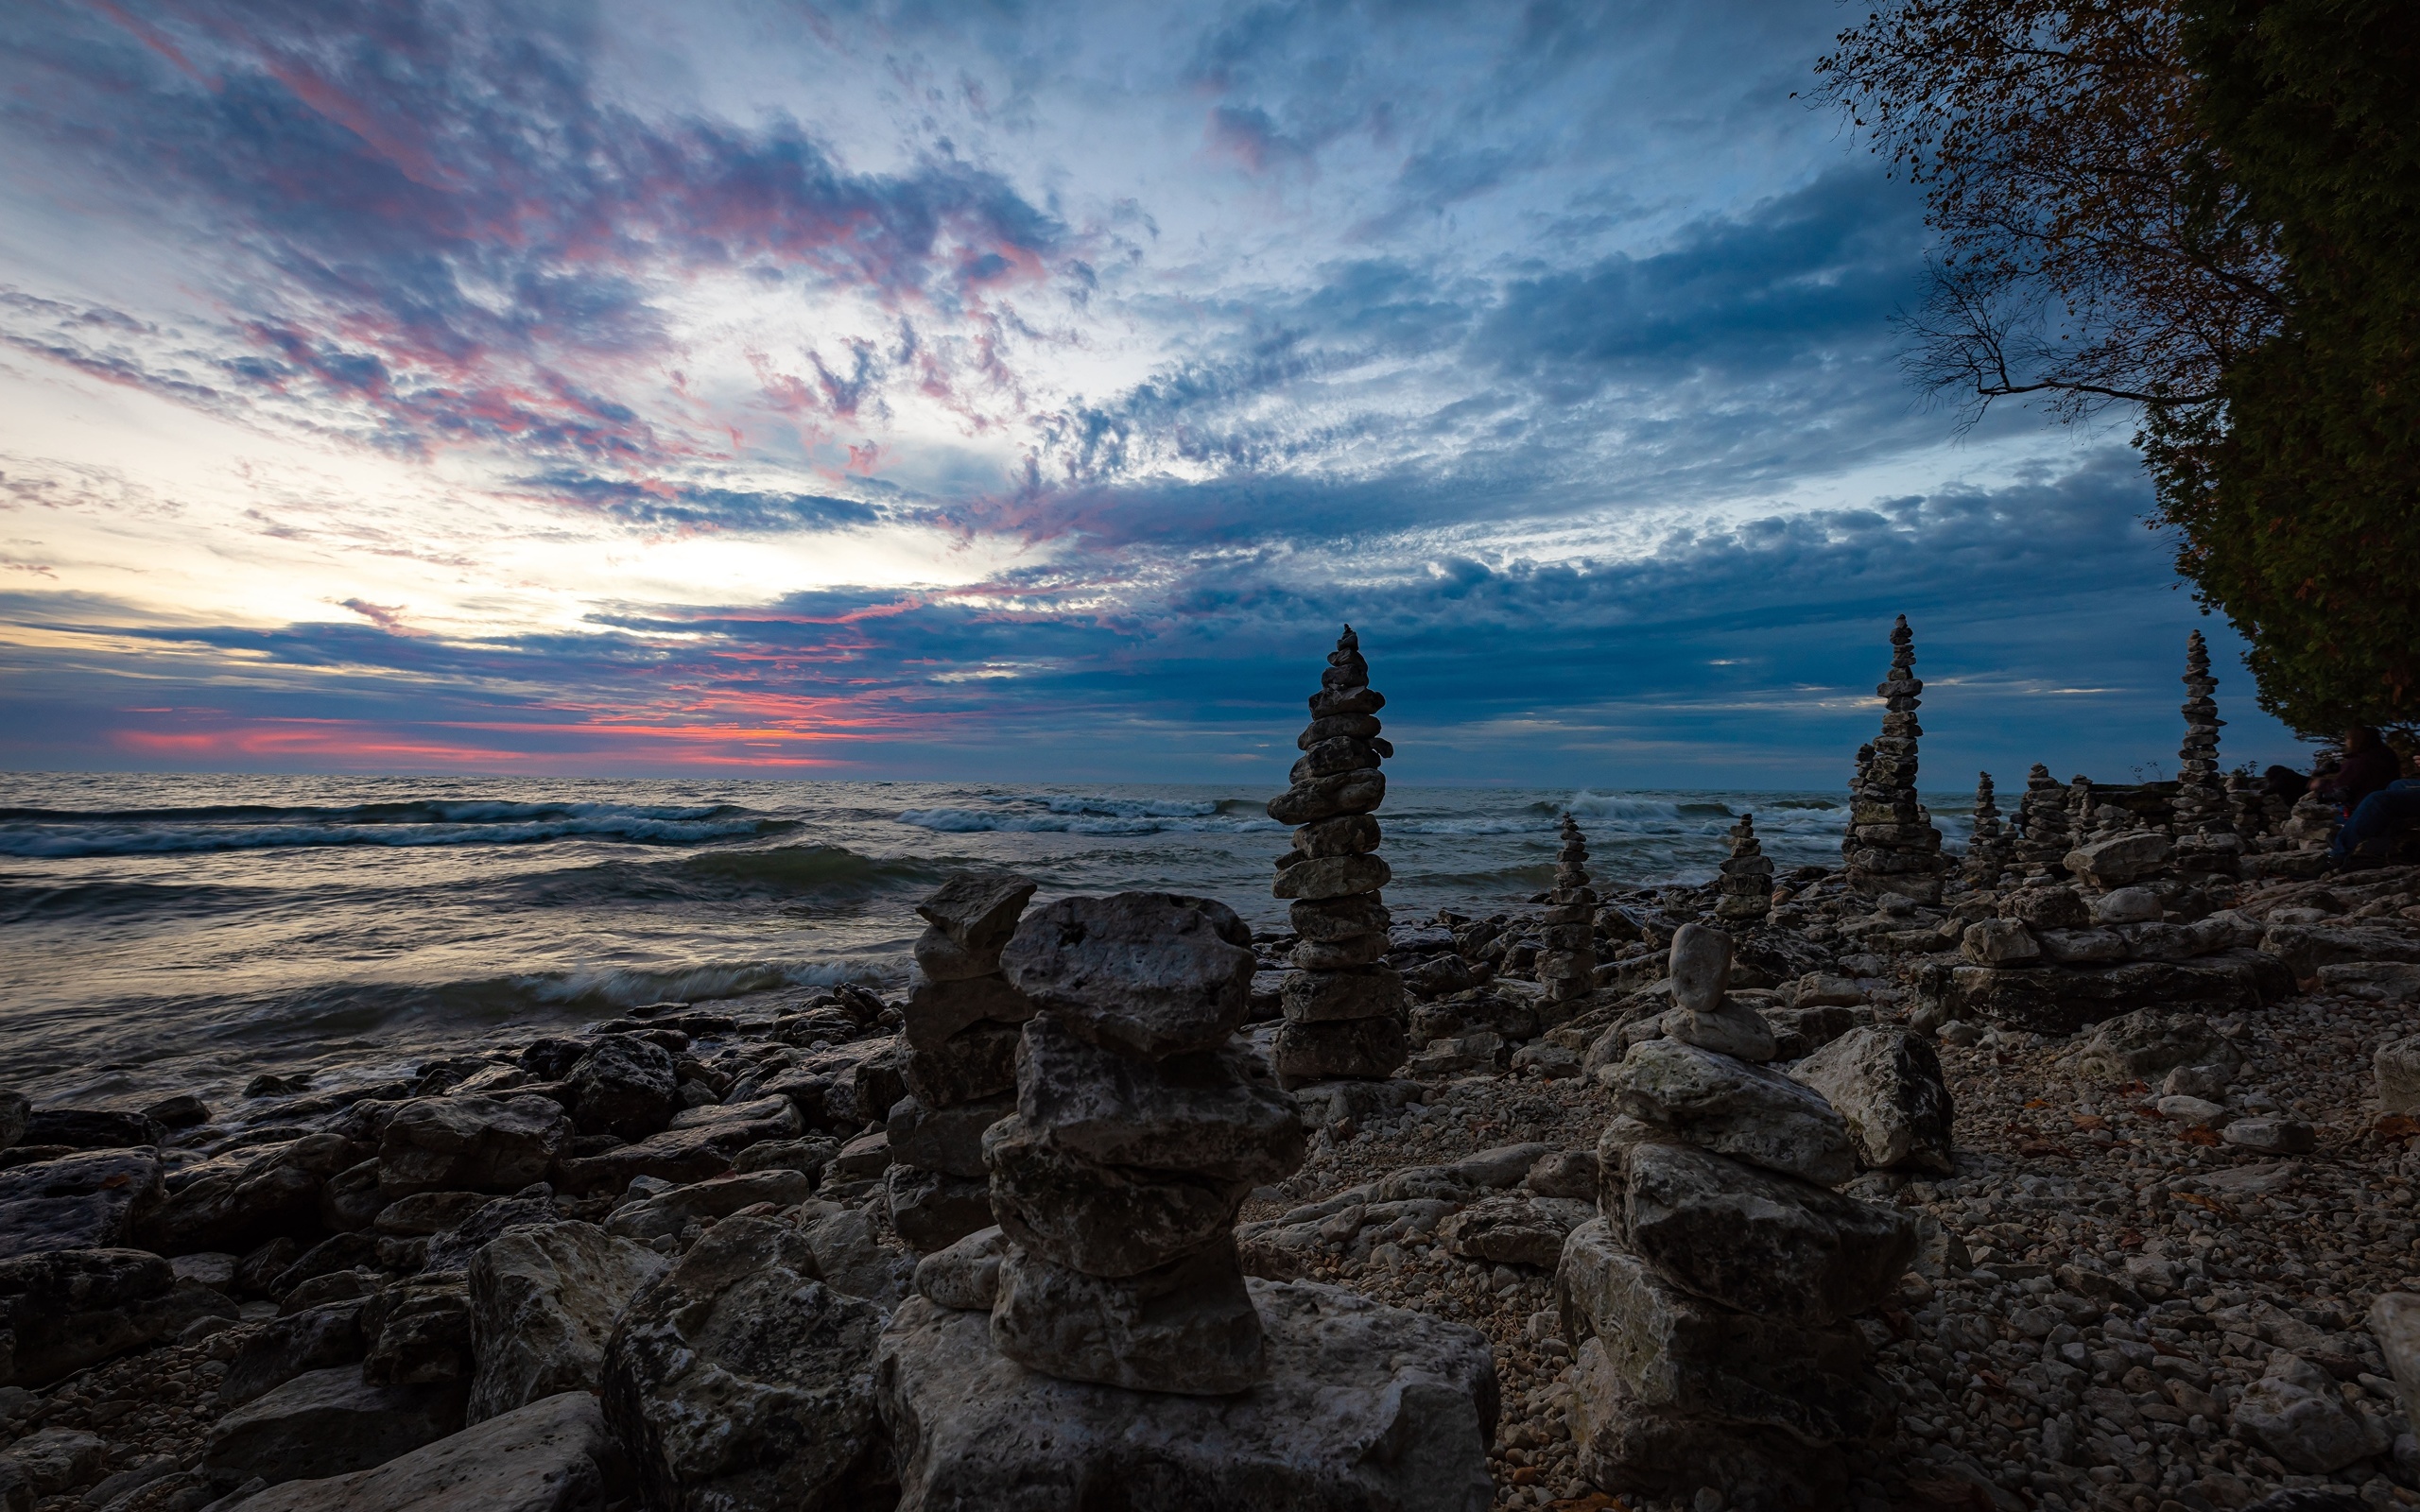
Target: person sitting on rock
x,y
2384,805
2368,766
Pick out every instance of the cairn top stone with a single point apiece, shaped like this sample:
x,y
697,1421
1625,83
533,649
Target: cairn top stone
x,y
978,910
1700,967
1150,973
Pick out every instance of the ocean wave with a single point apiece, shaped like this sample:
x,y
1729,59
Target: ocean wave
x,y
1197,819
153,835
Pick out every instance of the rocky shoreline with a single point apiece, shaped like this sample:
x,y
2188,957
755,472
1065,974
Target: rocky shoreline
x,y
2115,1121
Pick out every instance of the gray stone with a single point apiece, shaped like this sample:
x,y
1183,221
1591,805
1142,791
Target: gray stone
x,y
624,1086
2395,1323
1187,1327
2082,947
1340,876
1514,1230
1334,918
2295,1412
1325,798
2060,1000
808,1157
314,1338
2041,908
1153,975
965,1274
937,1010
949,1139
91,1200
48,1462
544,1302
978,1063
418,1331
1368,1049
1321,997
2377,981
67,1309
1214,1112
1622,1442
452,1248
666,1213
1700,967
2146,1045
552,1455
470,1145
2306,948
15,1111
2128,906
1887,1085
1564,1174
1734,1029
2272,1136
979,910
1680,1353
1758,1240
2397,1062
2120,859
328,1422
932,1209
1104,1220
1363,1408
1735,1109
852,1257
429,1213
93,1128
741,1381
2195,1112
940,958
281,1192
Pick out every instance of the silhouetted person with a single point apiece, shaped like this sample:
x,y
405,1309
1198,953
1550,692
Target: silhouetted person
x,y
2284,782
2368,766
2383,805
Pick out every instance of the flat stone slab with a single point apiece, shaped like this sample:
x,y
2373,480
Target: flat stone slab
x,y
552,1455
1365,1408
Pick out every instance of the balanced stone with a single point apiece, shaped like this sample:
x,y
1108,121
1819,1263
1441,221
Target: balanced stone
x,y
1186,1328
1215,1112
1567,966
1148,973
1747,877
1362,1049
1108,1221
2199,813
1731,1107
1989,853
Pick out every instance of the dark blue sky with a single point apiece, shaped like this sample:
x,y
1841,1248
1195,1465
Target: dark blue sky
x,y
999,391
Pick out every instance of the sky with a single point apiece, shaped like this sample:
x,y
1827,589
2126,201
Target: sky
x,y
1006,392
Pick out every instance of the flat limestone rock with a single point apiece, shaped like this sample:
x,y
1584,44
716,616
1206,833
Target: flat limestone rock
x,y
932,1209
1187,1327
945,1139
937,1010
1369,1049
1321,997
1758,1240
470,1145
2060,1000
91,1200
1150,973
1363,1408
2147,1045
978,910
552,1455
1103,1220
1216,1113
1735,1109
1679,1352
1626,1444
328,1422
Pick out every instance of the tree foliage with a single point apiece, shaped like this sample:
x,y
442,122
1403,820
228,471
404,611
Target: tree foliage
x,y
2206,208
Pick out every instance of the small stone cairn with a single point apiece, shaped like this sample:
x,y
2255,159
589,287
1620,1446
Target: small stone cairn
x,y
1747,880
1895,848
1989,853
1856,786
1567,965
1137,1131
1711,1304
962,1023
2207,840
2042,814
1343,1005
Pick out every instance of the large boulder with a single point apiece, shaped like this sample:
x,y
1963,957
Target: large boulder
x,y
1152,974
740,1382
2295,1412
1364,1408
92,1200
1514,1230
470,1145
1728,1105
2306,948
296,1344
665,1213
328,1422
67,1309
2397,1063
976,913
1887,1085
93,1128
1678,1354
279,1193
625,1086
418,1331
543,1303
1187,1326
552,1455
2120,859
1756,1240
2148,1044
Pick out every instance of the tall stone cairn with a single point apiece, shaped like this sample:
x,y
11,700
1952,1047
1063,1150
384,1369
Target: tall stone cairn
x,y
1343,1006
961,1026
1567,965
1990,851
2199,814
1747,881
1897,849
2244,802
1139,1128
1712,1306
2042,814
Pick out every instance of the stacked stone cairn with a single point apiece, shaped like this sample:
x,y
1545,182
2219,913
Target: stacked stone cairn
x,y
1747,876
1712,1303
1343,1005
1856,786
961,1028
1567,965
1989,850
2042,814
1137,1131
2206,840
1894,846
